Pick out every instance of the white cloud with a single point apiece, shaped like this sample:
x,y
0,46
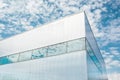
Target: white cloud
x,y
2,5
94,16
28,27
115,51
2,26
111,59
115,63
111,34
34,6
114,76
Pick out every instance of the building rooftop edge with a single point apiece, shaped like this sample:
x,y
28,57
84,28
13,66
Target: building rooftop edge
x,y
47,23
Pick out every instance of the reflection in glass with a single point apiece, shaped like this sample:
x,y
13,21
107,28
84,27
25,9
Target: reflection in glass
x,y
75,45
93,71
57,49
60,48
4,60
93,56
39,53
25,56
13,58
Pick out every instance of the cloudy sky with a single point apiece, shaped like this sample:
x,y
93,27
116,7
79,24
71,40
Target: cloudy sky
x,y
17,16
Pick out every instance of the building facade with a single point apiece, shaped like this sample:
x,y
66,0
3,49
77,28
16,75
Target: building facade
x,y
65,49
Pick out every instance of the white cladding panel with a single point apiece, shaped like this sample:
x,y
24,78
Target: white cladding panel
x,y
70,66
71,27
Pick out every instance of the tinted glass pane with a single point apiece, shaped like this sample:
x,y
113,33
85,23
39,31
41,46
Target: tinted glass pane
x,y
93,56
4,60
57,49
25,56
75,45
93,71
39,53
13,58
89,49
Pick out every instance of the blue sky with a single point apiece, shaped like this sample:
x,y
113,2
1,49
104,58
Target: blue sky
x,y
17,16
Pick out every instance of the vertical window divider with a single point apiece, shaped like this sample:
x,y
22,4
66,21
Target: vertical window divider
x,y
67,47
31,54
18,57
47,51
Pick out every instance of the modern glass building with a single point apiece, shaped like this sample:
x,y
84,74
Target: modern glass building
x,y
65,49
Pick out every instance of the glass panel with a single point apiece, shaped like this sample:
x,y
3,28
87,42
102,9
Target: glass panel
x,y
93,71
13,58
70,46
25,56
4,60
57,49
39,53
89,49
93,56
90,37
75,45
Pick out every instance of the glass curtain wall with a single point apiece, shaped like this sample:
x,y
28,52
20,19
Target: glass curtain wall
x,y
93,65
95,49
51,50
62,61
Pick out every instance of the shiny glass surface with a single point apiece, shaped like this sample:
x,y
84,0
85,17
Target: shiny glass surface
x,y
13,58
39,53
93,72
93,56
4,60
57,49
25,56
76,45
51,50
94,51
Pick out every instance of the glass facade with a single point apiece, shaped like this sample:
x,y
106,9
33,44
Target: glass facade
x,y
39,53
93,50
94,66
25,56
72,66
52,50
66,63
13,58
77,58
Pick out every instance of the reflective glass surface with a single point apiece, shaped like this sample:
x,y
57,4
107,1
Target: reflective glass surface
x,y
52,50
94,66
13,58
25,56
76,45
98,59
93,56
57,49
4,60
39,53
92,41
93,72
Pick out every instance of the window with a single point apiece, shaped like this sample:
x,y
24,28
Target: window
x,y
39,53
4,60
25,56
75,45
13,58
57,49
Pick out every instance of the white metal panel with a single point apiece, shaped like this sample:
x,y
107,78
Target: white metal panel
x,y
71,66
65,29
